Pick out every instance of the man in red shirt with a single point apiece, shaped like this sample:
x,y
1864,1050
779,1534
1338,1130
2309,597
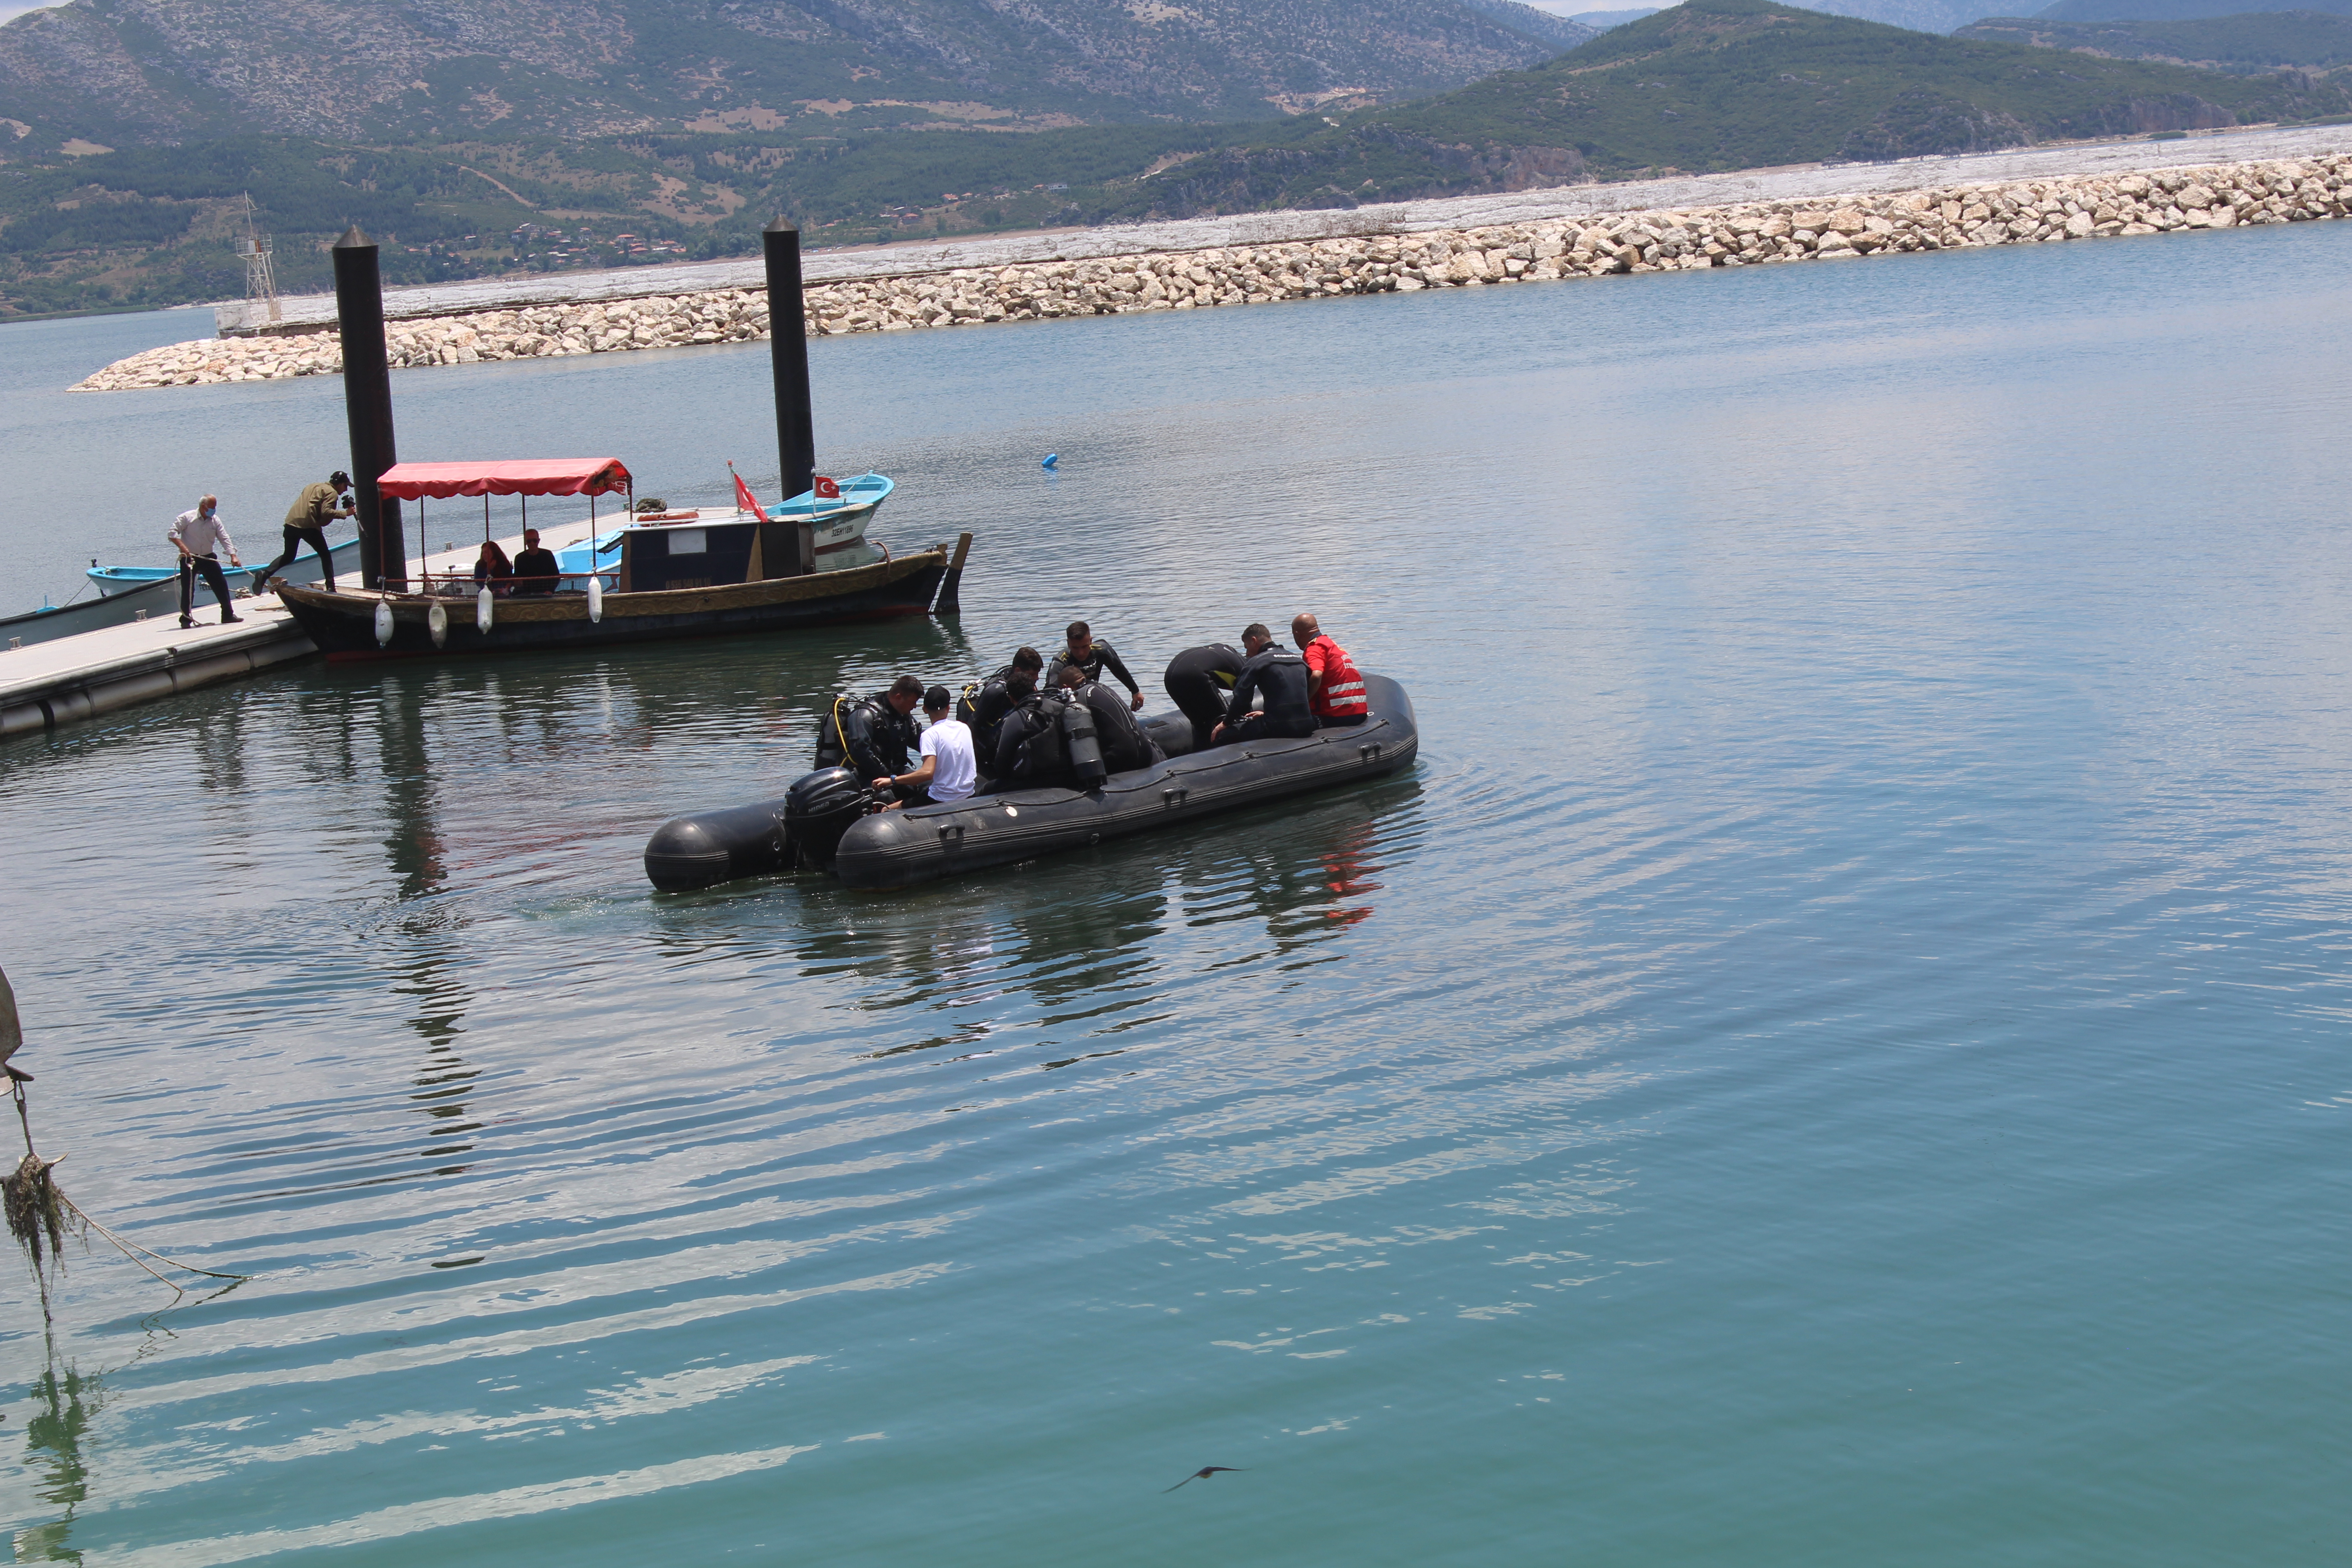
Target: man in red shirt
x,y
1334,689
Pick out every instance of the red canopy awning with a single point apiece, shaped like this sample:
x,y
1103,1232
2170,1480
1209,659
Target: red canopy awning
x,y
520,477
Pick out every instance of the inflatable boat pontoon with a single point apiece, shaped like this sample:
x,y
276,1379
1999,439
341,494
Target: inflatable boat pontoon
x,y
822,825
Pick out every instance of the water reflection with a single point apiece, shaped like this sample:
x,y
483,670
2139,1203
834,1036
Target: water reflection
x,y
431,973
1077,934
64,1404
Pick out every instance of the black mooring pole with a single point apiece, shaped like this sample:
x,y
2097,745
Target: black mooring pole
x,y
788,349
367,406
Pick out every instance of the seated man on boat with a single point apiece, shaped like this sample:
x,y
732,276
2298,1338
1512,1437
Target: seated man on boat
x,y
1083,652
1124,743
947,771
1334,688
1200,681
1275,677
984,708
535,571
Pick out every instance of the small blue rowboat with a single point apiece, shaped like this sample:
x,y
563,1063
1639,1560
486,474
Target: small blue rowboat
x,y
114,581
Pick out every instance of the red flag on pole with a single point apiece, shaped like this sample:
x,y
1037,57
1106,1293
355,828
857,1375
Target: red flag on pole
x,y
743,495
826,490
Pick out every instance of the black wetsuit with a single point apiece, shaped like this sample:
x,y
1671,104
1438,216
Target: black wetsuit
x,y
1199,681
1277,676
990,704
1124,743
1099,658
1029,751
879,739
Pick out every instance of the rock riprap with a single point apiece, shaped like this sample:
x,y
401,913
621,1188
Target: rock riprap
x,y
1752,234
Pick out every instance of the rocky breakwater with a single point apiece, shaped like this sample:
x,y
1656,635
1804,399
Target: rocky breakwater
x,y
1688,239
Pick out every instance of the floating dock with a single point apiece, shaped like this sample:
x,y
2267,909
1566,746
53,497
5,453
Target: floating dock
x,y
70,679
46,684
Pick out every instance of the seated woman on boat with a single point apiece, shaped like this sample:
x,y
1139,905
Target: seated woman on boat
x,y
492,570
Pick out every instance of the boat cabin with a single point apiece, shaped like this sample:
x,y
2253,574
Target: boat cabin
x,y
665,551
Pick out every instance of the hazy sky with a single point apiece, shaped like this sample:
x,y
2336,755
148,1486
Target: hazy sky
x,y
10,9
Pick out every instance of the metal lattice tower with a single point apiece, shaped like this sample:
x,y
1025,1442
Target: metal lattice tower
x,y
260,281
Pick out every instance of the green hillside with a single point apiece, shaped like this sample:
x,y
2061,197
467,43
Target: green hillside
x,y
2169,10
2245,45
1709,85
1730,84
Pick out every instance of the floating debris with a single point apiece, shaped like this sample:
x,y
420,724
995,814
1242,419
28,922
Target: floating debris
x,y
40,1215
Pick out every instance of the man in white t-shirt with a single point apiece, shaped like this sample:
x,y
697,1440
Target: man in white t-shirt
x,y
949,769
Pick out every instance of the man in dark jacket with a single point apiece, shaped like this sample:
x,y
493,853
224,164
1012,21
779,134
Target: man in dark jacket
x,y
880,730
1083,652
1276,678
534,568
1000,695
307,520
1124,743
1199,680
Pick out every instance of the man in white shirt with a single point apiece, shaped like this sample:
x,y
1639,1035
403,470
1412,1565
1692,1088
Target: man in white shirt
x,y
198,536
950,768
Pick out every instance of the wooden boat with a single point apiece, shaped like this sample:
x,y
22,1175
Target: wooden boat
x,y
687,578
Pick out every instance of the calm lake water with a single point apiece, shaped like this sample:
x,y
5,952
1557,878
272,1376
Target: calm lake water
x,y
1836,1055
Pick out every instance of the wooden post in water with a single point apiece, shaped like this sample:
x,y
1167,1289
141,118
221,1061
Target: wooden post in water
x,y
780,245
367,408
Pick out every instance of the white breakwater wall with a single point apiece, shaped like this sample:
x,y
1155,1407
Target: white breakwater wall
x,y
2201,196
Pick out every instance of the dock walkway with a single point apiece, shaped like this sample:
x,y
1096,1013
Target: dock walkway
x,y
62,681
47,684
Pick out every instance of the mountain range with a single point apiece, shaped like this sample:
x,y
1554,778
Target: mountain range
x,y
134,195
150,71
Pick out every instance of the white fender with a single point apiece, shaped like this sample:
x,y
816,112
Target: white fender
x,y
436,621
383,623
595,598
482,611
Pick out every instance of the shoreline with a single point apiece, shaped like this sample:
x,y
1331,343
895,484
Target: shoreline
x,y
1753,217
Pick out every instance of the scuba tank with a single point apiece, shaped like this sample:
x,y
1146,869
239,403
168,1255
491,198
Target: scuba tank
x,y
967,707
1041,756
819,808
1079,740
833,735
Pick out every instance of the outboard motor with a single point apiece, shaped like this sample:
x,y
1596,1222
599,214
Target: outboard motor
x,y
819,808
1085,750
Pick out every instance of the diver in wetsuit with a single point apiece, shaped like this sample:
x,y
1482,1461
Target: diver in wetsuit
x,y
1124,743
1275,678
1198,681
1083,652
880,730
984,709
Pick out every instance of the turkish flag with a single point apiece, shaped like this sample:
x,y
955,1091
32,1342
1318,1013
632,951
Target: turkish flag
x,y
826,489
744,500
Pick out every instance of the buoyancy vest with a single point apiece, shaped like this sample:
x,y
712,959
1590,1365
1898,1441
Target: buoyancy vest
x,y
1341,694
1029,745
1124,743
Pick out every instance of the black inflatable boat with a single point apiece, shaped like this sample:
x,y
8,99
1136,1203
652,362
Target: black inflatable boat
x,y
822,823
